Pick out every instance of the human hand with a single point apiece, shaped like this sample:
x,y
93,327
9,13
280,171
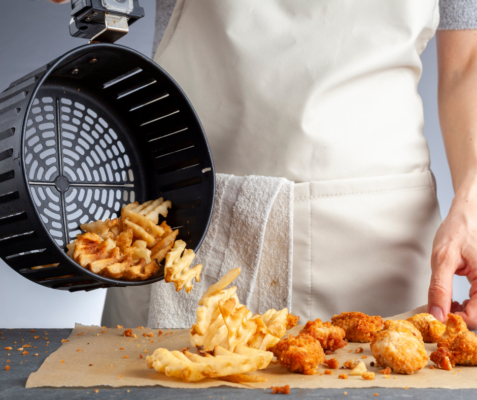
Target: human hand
x,y
455,252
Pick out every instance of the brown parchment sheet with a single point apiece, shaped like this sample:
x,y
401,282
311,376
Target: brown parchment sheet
x,y
94,359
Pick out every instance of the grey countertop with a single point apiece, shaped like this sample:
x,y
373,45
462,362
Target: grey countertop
x,y
12,382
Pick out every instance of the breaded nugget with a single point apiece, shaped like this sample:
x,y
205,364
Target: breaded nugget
x,y
358,327
330,336
299,354
454,326
402,324
431,329
461,351
399,348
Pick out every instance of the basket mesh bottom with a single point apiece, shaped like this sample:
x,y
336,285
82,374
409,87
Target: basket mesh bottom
x,y
77,167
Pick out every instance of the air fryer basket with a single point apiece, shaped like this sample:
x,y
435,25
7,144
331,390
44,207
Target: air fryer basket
x,y
98,128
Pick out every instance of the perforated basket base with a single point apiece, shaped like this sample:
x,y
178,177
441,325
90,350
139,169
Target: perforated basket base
x,y
93,137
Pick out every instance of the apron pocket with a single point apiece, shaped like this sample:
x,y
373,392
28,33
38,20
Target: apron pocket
x,y
363,244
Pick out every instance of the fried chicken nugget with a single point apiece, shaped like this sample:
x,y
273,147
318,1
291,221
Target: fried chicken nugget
x,y
299,354
399,347
358,327
431,329
330,336
454,326
462,351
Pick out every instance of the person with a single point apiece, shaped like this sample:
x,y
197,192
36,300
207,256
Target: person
x,y
324,93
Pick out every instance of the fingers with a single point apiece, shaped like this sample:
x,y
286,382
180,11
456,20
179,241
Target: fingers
x,y
469,312
440,289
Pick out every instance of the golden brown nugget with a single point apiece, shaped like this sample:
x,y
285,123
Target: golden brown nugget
x,y
359,327
330,337
431,329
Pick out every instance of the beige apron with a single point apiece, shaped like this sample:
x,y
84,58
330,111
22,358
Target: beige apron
x,y
323,93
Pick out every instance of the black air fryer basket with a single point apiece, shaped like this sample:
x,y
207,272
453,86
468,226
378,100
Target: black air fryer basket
x,y
98,128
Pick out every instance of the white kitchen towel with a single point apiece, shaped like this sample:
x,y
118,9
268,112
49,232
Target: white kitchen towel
x,y
251,228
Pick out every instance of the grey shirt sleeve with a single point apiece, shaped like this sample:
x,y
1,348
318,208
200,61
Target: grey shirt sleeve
x,y
164,10
458,14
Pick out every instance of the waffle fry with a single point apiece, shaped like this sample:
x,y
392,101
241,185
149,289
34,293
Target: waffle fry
x,y
237,319
132,247
177,268
101,228
192,367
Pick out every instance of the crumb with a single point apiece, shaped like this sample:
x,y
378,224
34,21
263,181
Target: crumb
x,y
376,394
343,376
121,348
350,364
110,365
140,356
431,367
119,327
36,354
386,371
64,340
25,353
128,391
146,351
127,332
7,367
151,334
120,376
279,389
406,387
140,327
328,352
364,357
8,348
350,351
62,361
36,337
96,390
345,393
134,335
387,376
144,334
125,356
32,330
359,350
78,350
368,376
332,363
328,372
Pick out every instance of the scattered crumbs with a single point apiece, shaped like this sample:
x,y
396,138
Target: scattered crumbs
x,y
8,348
119,327
431,366
386,371
25,353
350,351
134,335
278,390
395,377
7,367
455,372
146,351
64,340
151,334
406,387
62,361
121,348
110,365
368,376
34,347
46,352
96,390
345,393
328,372
387,376
27,345
138,345
364,357
343,376
140,356
125,356
78,350
376,394
140,327
90,365
459,370
359,350
120,376
36,337
36,354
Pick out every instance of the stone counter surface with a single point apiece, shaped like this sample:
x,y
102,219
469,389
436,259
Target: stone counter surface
x,y
12,382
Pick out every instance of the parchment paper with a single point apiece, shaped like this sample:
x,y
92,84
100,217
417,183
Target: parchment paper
x,y
110,368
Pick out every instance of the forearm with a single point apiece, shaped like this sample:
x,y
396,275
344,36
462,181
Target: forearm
x,y
458,108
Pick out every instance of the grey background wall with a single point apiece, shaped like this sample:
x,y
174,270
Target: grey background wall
x,y
32,33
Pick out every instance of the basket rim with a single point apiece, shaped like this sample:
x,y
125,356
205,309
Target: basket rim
x,y
50,69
